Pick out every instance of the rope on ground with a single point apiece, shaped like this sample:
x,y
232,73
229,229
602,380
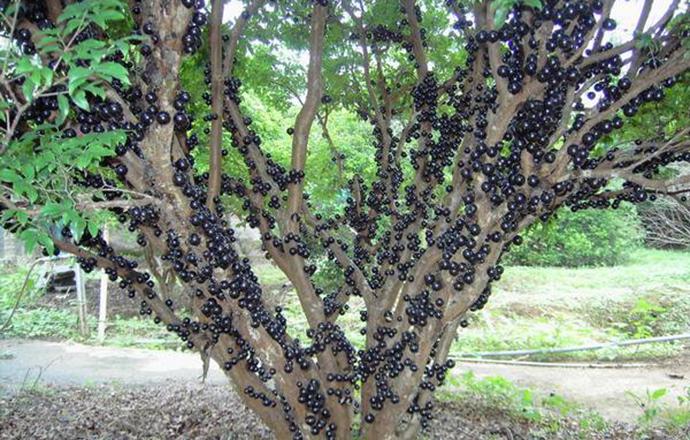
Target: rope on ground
x,y
613,344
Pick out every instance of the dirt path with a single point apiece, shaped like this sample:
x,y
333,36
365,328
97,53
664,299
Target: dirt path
x,y
23,362
604,390
65,363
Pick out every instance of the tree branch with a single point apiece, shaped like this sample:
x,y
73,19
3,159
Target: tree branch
x,y
236,33
416,37
216,137
306,116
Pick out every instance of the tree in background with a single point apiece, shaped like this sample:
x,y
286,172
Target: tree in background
x,y
583,238
667,223
485,118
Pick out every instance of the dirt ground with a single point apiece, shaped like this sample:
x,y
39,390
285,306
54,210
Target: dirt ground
x,y
69,364
183,410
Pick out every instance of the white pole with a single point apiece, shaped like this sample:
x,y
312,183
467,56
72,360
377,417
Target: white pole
x,y
103,300
81,300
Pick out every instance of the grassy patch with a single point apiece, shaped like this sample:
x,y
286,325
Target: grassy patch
x,y
657,412
546,307
531,308
44,323
548,414
61,324
270,275
647,270
11,281
140,333
497,332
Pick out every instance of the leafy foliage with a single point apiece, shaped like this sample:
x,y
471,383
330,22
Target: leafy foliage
x,y
40,164
583,238
44,323
441,139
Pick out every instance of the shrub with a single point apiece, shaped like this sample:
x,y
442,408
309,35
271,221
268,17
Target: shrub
x,y
589,237
44,323
11,281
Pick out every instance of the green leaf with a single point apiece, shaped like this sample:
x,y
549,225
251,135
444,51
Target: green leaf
x,y
24,65
48,43
28,89
31,193
47,242
28,170
95,90
53,209
78,225
79,98
500,16
22,217
63,108
111,15
658,394
45,160
30,238
93,228
76,77
8,175
114,70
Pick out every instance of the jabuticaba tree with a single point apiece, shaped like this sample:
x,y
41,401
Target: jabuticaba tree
x,y
486,117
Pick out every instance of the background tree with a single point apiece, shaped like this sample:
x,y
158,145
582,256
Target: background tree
x,y
485,118
667,223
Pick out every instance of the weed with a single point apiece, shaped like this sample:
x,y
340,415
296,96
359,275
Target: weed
x,y
642,320
11,281
677,419
44,323
657,413
497,393
650,405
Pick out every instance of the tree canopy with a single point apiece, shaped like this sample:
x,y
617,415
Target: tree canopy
x,y
420,139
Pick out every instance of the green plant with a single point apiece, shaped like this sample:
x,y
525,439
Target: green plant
x,y
499,392
460,136
559,403
44,322
11,281
675,420
643,320
45,155
589,237
650,403
547,415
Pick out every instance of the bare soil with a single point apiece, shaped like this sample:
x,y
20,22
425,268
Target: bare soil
x,y
54,390
174,410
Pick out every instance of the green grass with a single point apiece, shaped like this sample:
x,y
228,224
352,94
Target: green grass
x,y
496,331
44,323
648,269
62,324
140,333
531,308
657,412
270,275
546,415
547,307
